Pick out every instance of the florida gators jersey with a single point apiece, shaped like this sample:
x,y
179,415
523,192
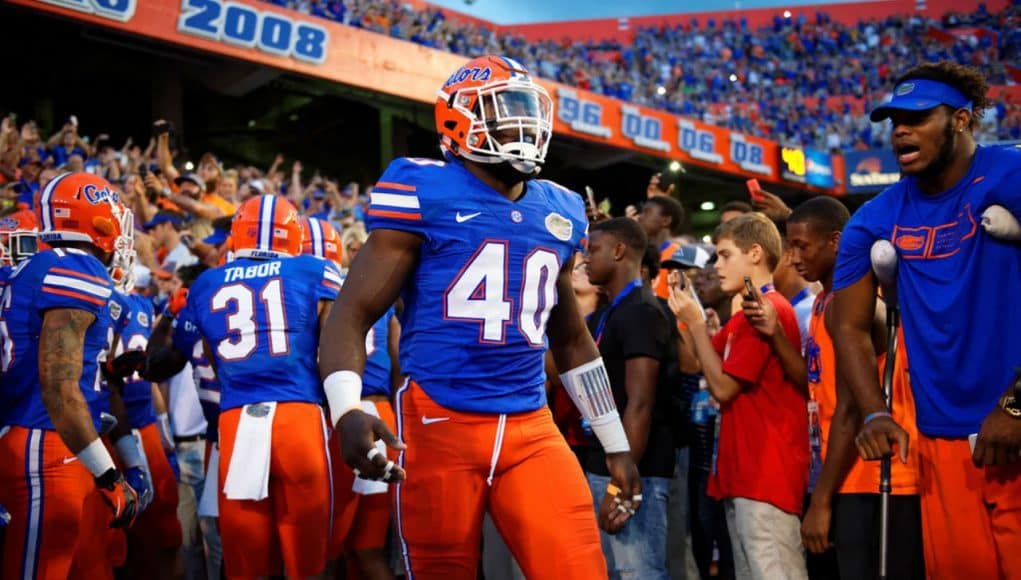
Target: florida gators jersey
x,y
473,328
59,278
260,318
376,379
188,341
133,323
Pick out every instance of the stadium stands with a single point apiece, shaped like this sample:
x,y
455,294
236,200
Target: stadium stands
x,y
800,81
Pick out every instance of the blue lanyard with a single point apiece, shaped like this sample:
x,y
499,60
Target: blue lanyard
x,y
801,295
616,301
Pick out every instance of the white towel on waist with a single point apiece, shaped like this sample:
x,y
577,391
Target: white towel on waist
x,y
248,473
208,506
367,486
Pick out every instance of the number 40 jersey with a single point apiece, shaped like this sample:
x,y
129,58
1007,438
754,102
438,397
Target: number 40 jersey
x,y
476,306
260,319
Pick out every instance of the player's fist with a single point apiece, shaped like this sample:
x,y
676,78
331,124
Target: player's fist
x,y
177,301
119,497
1000,223
623,496
358,432
136,478
126,365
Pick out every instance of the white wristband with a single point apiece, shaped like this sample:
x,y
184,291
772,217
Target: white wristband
x,y
96,458
343,393
588,385
129,451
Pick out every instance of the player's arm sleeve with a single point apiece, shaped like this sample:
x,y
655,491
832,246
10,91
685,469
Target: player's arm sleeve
x,y
397,201
853,256
329,283
185,335
76,283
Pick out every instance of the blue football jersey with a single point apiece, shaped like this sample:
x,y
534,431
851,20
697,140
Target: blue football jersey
x,y
260,318
376,379
62,278
134,326
473,329
188,341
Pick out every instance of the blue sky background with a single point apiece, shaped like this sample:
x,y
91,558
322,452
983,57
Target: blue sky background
x,y
530,11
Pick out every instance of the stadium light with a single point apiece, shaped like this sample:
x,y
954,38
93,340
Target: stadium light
x,y
189,166
707,239
733,78
661,90
786,13
707,206
674,166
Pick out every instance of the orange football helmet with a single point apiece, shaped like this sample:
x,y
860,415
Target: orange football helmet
x,y
82,207
321,240
491,111
266,226
19,237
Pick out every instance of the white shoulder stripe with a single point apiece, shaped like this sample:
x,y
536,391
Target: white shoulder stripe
x,y
80,285
332,277
395,200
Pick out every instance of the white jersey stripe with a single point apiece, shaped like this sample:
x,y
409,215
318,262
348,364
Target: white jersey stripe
x,y
76,284
395,200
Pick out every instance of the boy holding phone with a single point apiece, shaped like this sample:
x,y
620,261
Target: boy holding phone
x,y
761,466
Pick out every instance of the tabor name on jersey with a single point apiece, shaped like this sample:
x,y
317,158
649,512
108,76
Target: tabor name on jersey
x,y
258,271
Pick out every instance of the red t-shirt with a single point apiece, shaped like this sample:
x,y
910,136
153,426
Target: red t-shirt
x,y
763,445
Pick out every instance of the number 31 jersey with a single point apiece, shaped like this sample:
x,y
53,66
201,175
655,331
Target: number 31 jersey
x,y
260,319
476,305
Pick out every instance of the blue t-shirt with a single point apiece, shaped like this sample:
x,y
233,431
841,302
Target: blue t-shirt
x,y
260,318
188,341
473,328
133,323
957,286
60,278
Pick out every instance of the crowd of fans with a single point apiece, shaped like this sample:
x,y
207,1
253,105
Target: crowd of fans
x,y
777,82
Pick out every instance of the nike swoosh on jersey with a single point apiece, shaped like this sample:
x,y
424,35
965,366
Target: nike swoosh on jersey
x,y
463,218
70,460
430,420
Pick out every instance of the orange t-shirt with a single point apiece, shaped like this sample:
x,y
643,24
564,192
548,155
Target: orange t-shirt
x,y
659,285
822,382
215,199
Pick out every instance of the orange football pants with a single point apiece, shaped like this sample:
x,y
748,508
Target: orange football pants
x,y
360,522
158,528
289,530
46,490
518,467
971,517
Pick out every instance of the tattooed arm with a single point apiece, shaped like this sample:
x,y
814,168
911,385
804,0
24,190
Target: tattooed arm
x,y
61,348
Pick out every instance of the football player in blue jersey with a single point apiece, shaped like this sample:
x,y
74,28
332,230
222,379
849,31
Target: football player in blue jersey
x,y
54,340
481,255
957,285
259,317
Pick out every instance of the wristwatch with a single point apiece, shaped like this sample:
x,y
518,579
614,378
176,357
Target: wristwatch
x,y
1011,401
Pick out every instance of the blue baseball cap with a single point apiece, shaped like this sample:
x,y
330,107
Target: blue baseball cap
x,y
161,218
216,238
920,95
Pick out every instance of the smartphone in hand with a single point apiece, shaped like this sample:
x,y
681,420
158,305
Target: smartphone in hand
x,y
749,289
754,189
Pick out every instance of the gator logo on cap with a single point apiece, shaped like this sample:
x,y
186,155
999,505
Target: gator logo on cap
x,y
904,89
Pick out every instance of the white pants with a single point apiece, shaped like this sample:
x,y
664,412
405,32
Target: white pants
x,y
766,541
